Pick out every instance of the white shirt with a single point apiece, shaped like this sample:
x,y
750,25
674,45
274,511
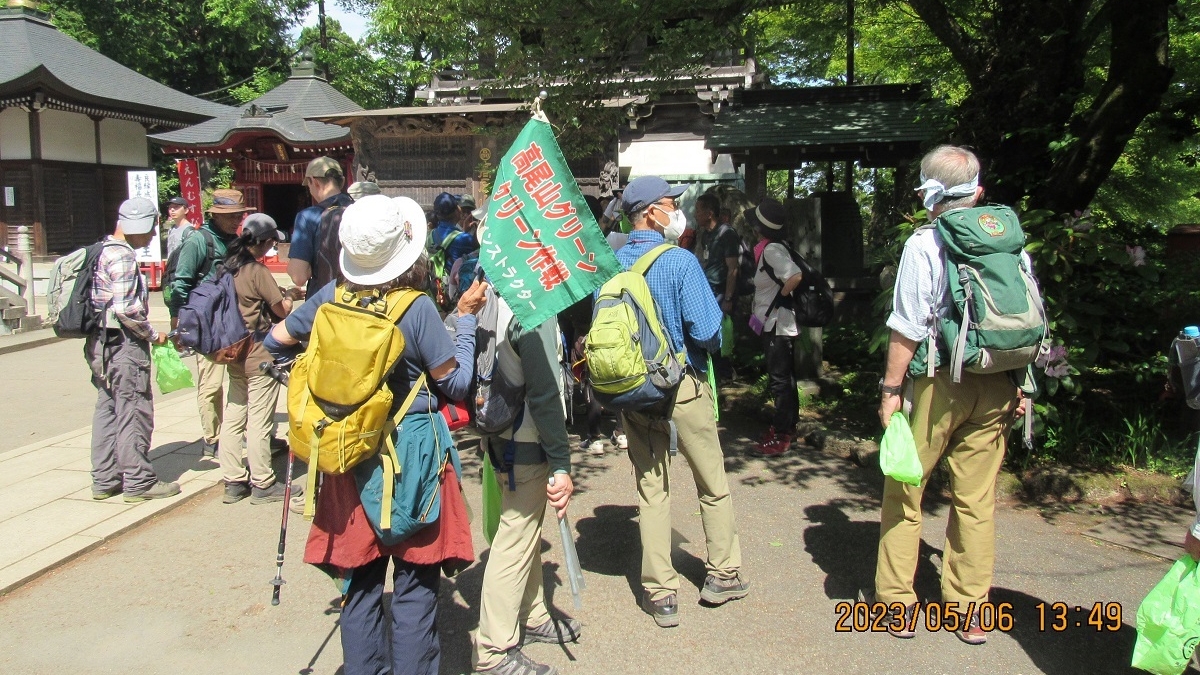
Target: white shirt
x,y
782,320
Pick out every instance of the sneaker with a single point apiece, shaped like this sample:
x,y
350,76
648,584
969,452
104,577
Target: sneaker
x,y
278,446
905,632
516,663
208,450
235,492
100,495
596,447
971,632
620,440
777,445
767,437
554,631
720,591
664,611
159,490
273,494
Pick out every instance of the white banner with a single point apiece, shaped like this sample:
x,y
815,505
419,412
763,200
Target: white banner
x,y
145,184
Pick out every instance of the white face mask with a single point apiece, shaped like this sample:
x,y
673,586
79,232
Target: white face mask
x,y
676,224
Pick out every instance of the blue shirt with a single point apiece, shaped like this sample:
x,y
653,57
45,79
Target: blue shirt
x,y
306,230
686,305
462,244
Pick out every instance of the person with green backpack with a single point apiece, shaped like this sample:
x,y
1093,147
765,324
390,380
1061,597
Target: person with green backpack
x,y
967,320
681,310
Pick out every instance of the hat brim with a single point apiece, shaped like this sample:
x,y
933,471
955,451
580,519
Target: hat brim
x,y
676,191
137,225
229,209
752,216
402,260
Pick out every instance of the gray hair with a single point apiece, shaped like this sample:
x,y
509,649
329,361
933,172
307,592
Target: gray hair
x,y
951,165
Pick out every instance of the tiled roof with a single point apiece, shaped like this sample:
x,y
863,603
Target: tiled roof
x,y
35,55
823,117
282,110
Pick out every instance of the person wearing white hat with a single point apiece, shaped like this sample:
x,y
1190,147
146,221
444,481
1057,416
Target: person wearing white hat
x,y
383,250
119,357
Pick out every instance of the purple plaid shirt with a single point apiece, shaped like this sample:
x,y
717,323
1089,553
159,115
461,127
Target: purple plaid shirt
x,y
119,281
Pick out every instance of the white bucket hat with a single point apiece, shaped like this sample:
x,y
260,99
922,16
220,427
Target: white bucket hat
x,y
381,238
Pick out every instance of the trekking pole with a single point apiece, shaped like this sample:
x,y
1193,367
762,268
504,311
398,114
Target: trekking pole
x,y
571,559
281,376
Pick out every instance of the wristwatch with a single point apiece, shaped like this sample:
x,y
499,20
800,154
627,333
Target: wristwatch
x,y
894,391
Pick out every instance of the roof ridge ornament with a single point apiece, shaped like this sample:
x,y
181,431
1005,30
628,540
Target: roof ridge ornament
x,y
306,66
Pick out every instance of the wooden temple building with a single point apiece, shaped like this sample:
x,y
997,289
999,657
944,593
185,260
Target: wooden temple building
x,y
270,140
72,123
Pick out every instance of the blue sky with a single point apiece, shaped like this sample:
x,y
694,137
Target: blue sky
x,y
354,25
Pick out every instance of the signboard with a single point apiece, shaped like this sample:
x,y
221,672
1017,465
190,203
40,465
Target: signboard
x,y
189,188
541,246
145,184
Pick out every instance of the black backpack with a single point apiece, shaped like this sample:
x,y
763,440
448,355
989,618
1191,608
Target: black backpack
x,y
746,266
329,247
812,301
173,260
79,317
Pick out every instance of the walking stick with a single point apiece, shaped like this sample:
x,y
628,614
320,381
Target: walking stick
x,y
281,376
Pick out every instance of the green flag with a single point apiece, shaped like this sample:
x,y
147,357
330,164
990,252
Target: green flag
x,y
541,246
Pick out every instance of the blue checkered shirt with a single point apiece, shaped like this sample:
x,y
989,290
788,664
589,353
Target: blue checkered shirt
x,y
686,304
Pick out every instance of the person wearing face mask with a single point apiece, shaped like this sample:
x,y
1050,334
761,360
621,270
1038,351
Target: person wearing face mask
x,y
690,315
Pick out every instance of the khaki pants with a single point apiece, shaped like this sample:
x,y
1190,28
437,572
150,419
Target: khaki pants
x,y
968,423
512,580
649,443
249,410
210,396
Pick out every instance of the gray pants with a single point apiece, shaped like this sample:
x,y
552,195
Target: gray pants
x,y
124,417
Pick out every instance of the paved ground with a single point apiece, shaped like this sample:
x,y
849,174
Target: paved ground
x,y
187,591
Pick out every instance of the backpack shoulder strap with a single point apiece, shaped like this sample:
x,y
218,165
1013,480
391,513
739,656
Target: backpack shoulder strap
x,y
210,253
407,298
642,266
449,239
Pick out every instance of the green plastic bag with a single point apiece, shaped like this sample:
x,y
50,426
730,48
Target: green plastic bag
x,y
491,500
1168,621
727,336
172,374
898,452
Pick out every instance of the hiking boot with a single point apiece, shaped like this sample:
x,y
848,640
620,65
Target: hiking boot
x,y
159,490
664,611
596,447
208,450
235,492
554,631
516,663
620,440
720,591
970,631
278,446
106,493
272,494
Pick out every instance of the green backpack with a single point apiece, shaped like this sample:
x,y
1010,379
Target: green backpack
x,y
630,359
439,271
997,321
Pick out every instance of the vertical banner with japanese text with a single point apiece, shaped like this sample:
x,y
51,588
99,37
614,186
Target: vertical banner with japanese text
x,y
541,246
145,184
189,188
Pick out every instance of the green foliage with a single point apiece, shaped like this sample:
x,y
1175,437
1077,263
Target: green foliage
x,y
188,45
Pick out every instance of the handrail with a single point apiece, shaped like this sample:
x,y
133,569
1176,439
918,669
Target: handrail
x,y
7,275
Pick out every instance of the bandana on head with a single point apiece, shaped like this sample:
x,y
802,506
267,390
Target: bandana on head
x,y
936,192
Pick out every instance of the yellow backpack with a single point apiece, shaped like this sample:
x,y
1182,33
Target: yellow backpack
x,y
339,404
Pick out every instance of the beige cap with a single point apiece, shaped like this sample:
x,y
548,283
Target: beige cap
x,y
322,167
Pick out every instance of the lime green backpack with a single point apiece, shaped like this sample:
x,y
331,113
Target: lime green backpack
x,y
630,359
997,321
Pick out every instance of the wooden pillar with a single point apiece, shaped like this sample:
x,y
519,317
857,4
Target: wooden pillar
x,y
756,180
791,191
38,180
